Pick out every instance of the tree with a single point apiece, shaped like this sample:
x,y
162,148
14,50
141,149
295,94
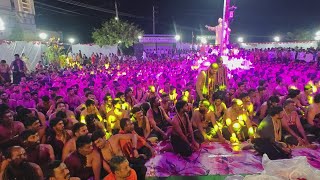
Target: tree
x,y
55,53
300,35
117,32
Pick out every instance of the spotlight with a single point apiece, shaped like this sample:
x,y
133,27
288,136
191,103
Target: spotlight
x,y
177,37
240,40
43,36
72,40
276,39
139,37
318,33
119,42
116,18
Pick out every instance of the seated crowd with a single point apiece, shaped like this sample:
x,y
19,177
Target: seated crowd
x,y
103,122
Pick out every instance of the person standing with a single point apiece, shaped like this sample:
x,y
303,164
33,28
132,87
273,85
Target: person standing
x,y
5,71
18,68
206,82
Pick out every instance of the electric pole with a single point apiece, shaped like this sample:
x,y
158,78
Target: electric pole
x,y
225,25
154,19
116,7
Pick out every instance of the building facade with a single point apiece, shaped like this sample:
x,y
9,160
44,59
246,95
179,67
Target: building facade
x,y
17,20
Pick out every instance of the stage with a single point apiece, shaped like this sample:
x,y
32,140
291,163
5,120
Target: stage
x,y
217,160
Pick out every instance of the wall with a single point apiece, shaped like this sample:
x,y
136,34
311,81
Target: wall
x,y
302,44
31,49
88,49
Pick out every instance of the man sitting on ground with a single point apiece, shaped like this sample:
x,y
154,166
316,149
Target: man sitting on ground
x,y
57,170
85,162
120,169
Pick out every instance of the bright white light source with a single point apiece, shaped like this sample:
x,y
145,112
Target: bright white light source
x,y
240,40
139,37
204,41
317,38
43,36
318,33
276,39
116,18
177,37
119,41
72,40
2,27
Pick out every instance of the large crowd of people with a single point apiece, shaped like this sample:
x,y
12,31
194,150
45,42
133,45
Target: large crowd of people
x,y
102,120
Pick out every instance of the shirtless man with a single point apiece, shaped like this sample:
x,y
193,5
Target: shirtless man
x,y
273,101
31,123
58,137
16,95
85,162
306,97
17,160
182,139
281,89
313,117
206,82
106,106
247,104
9,129
115,115
58,170
204,123
27,101
237,121
111,147
61,106
6,100
72,99
130,98
295,134
158,118
218,106
79,129
41,154
90,109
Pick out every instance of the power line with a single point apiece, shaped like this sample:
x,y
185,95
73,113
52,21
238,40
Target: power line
x,y
59,12
99,9
62,9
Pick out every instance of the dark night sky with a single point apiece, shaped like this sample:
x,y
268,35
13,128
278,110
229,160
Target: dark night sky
x,y
256,20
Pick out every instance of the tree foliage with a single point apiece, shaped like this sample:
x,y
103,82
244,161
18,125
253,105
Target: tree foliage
x,y
300,35
114,31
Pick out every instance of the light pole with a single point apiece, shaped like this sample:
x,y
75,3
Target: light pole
x,y
71,41
43,36
225,24
2,26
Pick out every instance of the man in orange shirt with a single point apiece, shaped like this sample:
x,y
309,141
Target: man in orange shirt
x,y
120,169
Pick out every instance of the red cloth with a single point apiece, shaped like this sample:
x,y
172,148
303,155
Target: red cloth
x,y
127,147
133,176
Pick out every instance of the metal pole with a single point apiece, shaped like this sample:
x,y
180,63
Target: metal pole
x,y
116,7
225,23
154,20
